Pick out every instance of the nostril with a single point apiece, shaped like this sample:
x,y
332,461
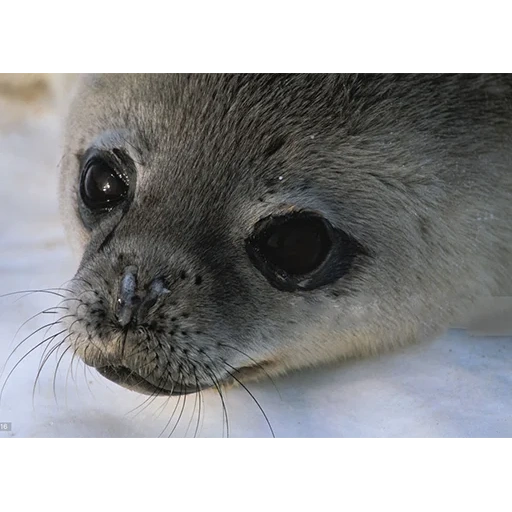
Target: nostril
x,y
128,283
156,290
127,301
132,306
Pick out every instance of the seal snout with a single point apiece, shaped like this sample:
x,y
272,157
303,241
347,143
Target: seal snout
x,y
133,304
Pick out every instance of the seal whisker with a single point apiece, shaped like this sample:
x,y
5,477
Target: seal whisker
x,y
217,385
48,330
69,347
173,412
25,356
49,291
225,419
80,278
151,398
74,346
77,344
49,325
77,299
146,403
45,359
43,362
137,150
182,380
192,370
200,395
97,274
45,311
256,402
162,407
256,363
85,372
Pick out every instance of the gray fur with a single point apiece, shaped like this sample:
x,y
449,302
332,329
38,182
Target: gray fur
x,y
416,168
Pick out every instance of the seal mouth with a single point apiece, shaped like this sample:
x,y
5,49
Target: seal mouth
x,y
131,380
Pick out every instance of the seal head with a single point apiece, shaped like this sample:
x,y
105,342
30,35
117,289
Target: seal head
x,y
235,226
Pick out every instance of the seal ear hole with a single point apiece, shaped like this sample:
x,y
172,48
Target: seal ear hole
x,y
198,280
183,275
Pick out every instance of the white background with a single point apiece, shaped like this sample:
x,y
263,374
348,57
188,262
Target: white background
x,y
454,386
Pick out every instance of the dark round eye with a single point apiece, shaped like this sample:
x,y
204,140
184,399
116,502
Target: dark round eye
x,y
290,246
102,186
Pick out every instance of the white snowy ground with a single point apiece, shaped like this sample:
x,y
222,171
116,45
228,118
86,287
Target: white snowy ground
x,y
455,386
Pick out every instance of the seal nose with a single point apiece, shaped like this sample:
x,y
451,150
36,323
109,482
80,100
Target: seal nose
x,y
131,307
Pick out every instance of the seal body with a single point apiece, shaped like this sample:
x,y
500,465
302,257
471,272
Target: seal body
x,y
230,227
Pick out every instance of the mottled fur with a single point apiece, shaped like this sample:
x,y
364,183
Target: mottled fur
x,y
416,168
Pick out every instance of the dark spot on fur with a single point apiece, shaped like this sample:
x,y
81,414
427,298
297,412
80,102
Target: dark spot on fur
x,y
183,275
270,183
275,145
424,224
198,280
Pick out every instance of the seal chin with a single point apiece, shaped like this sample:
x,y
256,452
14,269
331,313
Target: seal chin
x,y
131,380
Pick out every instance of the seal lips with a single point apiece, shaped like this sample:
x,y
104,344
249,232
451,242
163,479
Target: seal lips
x,y
129,379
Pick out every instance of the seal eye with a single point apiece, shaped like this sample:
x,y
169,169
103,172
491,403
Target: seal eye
x,y
296,245
102,186
292,251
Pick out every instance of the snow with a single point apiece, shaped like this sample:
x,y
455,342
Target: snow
x,y
455,386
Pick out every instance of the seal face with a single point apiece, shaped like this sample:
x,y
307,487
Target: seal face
x,y
235,226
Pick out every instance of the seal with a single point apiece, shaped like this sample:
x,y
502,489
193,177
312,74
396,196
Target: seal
x,y
230,227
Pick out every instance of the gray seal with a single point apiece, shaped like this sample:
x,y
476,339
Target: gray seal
x,y
231,227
